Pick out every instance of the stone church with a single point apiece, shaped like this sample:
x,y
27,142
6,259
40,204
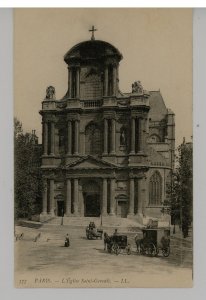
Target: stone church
x,y
105,153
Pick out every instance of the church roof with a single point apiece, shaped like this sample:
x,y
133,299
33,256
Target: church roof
x,y
92,49
158,110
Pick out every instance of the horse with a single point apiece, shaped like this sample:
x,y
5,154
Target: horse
x,y
107,242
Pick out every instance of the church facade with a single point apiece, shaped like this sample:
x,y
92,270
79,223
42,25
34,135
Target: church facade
x,y
105,152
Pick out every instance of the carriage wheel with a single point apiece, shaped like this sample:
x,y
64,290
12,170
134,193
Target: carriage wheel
x,y
115,249
152,251
166,251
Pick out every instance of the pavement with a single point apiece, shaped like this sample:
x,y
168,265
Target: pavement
x,y
47,263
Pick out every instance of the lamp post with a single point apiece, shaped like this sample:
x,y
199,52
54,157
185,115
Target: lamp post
x,y
62,219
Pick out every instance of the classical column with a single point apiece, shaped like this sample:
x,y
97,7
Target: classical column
x,y
112,200
52,139
51,196
45,136
140,138
78,81
114,80
141,195
105,136
69,137
117,78
68,197
104,198
70,83
113,137
44,197
76,139
106,81
76,196
131,197
132,135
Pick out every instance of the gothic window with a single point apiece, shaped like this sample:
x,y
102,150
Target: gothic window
x,y
155,189
93,139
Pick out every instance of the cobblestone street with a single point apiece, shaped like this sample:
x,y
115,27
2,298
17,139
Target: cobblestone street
x,y
47,261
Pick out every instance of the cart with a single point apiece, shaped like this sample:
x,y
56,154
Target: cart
x,y
154,240
93,233
119,244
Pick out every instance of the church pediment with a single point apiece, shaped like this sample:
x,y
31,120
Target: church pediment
x,y
90,162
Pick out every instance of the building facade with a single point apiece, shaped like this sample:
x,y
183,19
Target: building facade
x,y
105,152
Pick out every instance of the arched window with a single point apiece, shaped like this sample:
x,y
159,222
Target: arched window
x,y
154,138
93,139
155,189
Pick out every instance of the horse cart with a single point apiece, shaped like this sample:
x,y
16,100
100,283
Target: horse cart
x,y
93,233
117,244
154,240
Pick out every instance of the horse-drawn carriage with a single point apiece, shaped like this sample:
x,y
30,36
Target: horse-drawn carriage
x,y
154,240
92,232
116,244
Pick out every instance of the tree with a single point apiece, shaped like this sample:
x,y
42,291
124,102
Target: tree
x,y
180,189
27,179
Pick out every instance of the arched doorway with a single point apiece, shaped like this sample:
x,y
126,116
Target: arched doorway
x,y
91,193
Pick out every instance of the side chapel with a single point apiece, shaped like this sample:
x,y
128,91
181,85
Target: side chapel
x,y
105,152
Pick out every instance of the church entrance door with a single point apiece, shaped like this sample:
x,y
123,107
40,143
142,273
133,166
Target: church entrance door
x,y
92,205
60,208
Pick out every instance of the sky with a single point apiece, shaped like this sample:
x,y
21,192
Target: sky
x,y
156,45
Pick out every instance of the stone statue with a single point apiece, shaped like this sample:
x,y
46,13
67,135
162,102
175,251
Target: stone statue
x,y
123,137
50,92
137,87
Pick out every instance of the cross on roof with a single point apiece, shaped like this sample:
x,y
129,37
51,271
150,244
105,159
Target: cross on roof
x,y
93,30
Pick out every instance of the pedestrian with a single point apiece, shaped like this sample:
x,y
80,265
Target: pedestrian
x,y
67,242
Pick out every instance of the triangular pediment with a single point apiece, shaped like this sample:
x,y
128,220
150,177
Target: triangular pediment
x,y
90,162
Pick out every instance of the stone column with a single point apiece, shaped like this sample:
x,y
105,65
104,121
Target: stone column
x,y
68,197
140,138
113,137
69,137
76,140
104,198
106,81
132,135
76,196
131,197
141,195
45,136
112,200
44,197
51,197
70,83
114,80
52,139
105,136
78,81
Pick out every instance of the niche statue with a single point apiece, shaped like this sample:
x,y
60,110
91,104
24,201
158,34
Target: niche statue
x,y
123,137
